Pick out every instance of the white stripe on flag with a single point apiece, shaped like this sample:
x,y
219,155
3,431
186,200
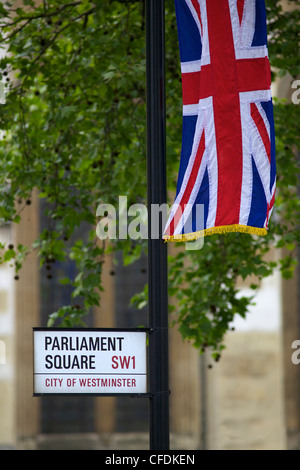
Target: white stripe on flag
x,y
198,133
248,23
261,159
205,57
254,96
191,66
190,109
258,52
189,206
212,167
247,180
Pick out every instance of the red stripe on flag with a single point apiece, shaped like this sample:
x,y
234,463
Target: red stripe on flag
x,y
197,85
240,7
253,74
270,207
226,112
190,87
191,183
206,82
197,9
259,122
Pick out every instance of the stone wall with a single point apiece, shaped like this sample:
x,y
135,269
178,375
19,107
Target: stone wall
x,y
245,399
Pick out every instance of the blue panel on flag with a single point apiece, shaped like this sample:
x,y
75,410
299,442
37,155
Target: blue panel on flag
x,y
260,32
188,131
268,109
258,209
203,198
190,42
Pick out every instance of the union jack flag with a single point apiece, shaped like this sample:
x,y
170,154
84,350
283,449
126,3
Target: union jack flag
x,y
227,161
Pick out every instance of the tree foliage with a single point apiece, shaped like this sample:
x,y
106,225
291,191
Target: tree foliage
x,y
74,129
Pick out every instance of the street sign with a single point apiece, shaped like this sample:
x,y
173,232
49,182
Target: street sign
x,y
89,361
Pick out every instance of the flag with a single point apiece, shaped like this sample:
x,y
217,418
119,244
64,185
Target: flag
x,y
227,163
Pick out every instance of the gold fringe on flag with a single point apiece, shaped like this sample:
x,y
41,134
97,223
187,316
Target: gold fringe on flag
x,y
186,237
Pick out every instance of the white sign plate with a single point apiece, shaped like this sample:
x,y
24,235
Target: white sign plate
x,y
90,361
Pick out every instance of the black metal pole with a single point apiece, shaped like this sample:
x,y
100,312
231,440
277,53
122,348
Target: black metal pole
x,y
157,249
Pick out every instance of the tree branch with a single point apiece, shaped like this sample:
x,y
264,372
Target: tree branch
x,y
42,15
86,13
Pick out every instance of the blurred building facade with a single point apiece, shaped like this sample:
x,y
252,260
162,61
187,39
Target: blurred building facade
x,y
246,401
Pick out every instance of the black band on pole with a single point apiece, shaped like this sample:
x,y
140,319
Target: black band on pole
x,y
157,248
